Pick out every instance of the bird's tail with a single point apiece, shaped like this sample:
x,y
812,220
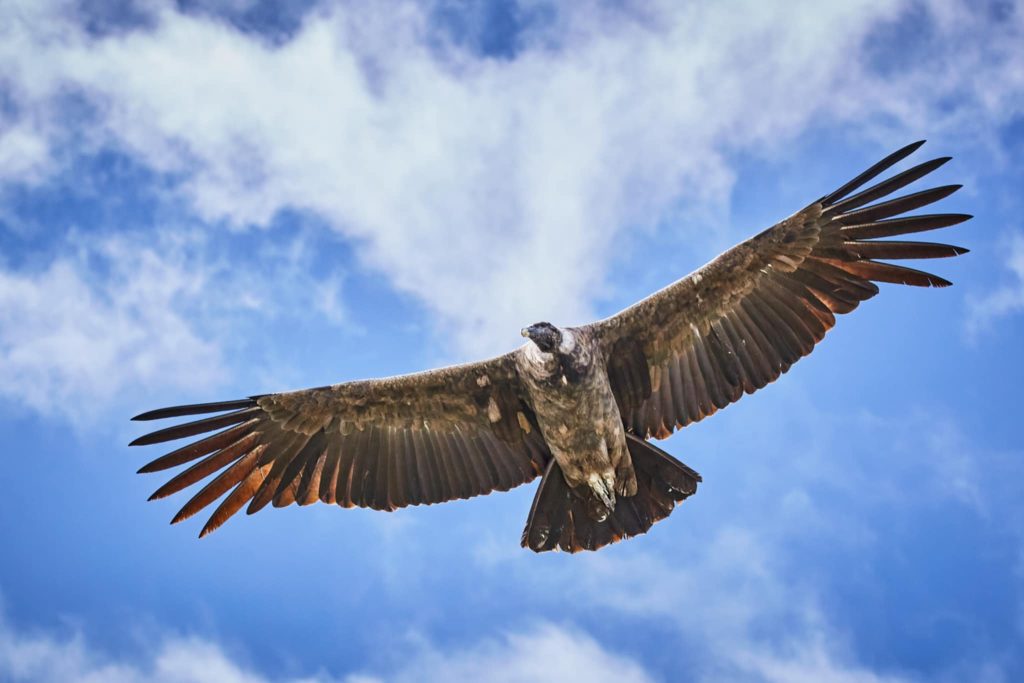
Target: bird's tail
x,y
559,520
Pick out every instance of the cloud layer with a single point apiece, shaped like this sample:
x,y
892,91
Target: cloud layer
x,y
495,191
1006,299
543,654
102,316
106,317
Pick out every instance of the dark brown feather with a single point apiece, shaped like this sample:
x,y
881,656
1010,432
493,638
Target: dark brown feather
x,y
287,487
759,369
206,467
900,275
700,389
904,225
198,427
709,372
899,205
887,187
756,339
199,448
280,456
329,478
383,467
725,359
197,409
364,470
799,291
901,250
689,410
871,173
218,486
309,486
234,501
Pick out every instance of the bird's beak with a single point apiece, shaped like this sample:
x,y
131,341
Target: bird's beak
x,y
525,331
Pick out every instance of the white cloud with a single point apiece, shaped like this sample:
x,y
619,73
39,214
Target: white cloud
x,y
721,597
108,317
544,653
24,152
99,318
495,191
328,299
1005,300
813,661
44,658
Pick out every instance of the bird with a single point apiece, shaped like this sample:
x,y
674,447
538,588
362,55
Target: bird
x,y
576,406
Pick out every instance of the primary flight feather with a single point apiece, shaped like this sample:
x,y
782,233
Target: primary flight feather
x,y
575,405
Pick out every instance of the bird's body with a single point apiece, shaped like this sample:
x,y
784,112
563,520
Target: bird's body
x,y
569,392
575,405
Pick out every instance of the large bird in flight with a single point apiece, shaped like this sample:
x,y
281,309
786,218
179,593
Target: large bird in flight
x,y
576,405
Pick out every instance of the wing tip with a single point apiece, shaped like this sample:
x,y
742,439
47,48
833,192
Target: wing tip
x,y
157,414
148,468
180,517
196,409
150,439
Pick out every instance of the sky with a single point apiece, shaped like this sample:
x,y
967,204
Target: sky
x,y
207,200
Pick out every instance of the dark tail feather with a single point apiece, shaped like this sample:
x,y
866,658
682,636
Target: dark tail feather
x,y
558,518
549,512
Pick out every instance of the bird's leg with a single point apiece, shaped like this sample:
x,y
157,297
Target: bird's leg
x,y
625,476
603,486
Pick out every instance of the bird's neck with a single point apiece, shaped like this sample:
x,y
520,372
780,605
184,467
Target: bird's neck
x,y
566,363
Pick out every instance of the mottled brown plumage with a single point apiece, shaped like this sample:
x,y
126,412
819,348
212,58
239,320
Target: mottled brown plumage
x,y
574,404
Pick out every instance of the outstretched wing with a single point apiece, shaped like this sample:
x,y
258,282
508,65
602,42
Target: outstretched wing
x,y
424,438
743,319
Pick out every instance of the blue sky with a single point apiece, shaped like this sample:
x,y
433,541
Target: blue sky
x,y
205,200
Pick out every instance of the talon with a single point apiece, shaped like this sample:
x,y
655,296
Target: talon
x,y
603,488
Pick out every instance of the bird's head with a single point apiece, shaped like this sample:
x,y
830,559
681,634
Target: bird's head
x,y
546,336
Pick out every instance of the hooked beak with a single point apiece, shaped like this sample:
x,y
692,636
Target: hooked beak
x,y
525,331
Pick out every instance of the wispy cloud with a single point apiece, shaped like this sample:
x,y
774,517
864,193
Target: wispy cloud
x,y
721,597
109,316
545,653
43,657
99,317
1005,300
496,191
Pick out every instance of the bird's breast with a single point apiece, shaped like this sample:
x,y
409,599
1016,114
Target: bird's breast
x,y
571,396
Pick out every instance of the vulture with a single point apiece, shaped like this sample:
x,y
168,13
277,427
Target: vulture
x,y
577,406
